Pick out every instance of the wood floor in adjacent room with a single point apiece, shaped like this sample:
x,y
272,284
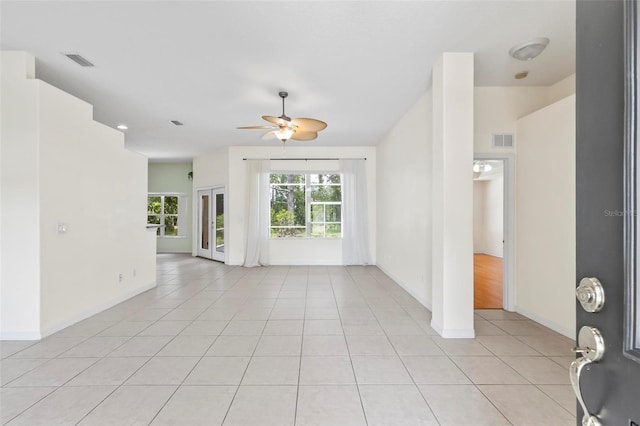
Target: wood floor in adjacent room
x,y
487,281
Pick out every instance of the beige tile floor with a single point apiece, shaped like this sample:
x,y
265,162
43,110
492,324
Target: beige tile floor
x,y
214,345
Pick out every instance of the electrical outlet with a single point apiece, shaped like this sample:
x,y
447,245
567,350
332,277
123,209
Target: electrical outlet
x,y
120,277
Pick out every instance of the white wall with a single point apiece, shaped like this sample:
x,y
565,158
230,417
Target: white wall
x,y
19,202
211,170
488,217
496,110
404,201
173,178
479,200
89,182
545,216
561,89
299,251
494,217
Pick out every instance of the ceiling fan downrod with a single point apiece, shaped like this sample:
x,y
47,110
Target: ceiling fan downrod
x,y
283,95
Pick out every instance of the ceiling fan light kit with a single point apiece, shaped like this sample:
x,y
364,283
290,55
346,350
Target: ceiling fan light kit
x,y
285,127
481,166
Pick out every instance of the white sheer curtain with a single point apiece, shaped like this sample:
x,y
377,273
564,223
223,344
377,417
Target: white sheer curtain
x,y
355,223
257,222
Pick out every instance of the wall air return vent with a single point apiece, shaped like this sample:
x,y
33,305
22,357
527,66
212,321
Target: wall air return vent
x,y
78,59
502,141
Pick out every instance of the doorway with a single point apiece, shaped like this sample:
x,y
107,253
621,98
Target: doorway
x,y
211,239
493,224
488,234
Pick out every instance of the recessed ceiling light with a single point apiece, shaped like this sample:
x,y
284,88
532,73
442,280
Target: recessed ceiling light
x,y
521,75
122,126
529,49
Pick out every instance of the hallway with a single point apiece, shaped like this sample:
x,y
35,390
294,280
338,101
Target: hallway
x,y
214,344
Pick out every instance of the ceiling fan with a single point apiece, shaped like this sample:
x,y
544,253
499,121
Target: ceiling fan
x,y
285,128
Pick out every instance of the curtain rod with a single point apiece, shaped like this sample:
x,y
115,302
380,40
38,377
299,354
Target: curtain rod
x,y
304,159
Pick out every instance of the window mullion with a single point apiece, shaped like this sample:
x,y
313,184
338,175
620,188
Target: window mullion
x,y
162,215
328,220
324,219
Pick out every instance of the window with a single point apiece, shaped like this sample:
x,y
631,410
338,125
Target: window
x,y
165,210
306,205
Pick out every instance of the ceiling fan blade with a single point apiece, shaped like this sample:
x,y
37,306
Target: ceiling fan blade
x,y
256,127
278,121
304,136
269,135
309,124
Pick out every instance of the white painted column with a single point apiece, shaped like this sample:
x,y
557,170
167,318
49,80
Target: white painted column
x,y
452,196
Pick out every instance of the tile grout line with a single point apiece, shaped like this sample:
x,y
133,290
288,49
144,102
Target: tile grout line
x,y
201,357
402,360
353,370
29,407
369,292
244,373
304,319
136,371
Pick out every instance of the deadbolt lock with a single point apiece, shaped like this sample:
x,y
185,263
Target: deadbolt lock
x,y
590,294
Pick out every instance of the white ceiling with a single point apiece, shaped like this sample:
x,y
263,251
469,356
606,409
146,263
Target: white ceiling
x,y
216,65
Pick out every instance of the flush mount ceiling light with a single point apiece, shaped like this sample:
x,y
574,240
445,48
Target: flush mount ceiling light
x,y
122,126
481,166
285,128
529,49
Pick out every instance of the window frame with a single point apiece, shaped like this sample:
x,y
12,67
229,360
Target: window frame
x,y
180,216
308,203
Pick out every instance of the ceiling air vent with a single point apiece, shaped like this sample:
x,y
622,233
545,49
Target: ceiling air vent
x,y
177,123
78,59
502,141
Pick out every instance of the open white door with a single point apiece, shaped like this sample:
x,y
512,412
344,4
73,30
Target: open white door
x,y
211,223
218,224
606,374
204,223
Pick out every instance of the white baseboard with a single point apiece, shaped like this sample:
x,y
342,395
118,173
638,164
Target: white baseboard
x,y
20,335
307,263
94,310
423,302
570,333
453,333
488,253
